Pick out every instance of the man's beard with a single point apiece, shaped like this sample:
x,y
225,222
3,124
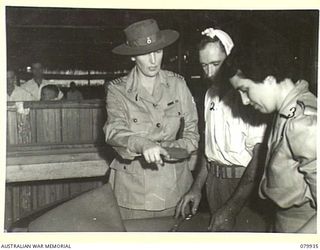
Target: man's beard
x,y
214,81
211,78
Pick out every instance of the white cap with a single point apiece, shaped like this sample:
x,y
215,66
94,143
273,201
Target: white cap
x,y
222,36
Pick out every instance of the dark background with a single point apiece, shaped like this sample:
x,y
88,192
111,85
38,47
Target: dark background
x,y
64,38
67,38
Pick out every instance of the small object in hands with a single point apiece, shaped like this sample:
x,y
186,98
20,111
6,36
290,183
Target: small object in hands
x,y
176,154
178,223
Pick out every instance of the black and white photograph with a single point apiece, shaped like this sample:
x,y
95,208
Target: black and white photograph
x,y
161,120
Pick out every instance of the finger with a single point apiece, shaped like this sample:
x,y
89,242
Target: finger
x,y
161,162
183,207
215,226
178,209
195,206
158,159
159,165
152,157
224,227
211,225
146,156
164,153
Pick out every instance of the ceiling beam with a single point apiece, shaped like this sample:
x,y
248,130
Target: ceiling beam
x,y
52,26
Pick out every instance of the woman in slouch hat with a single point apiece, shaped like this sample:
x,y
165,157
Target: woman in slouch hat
x,y
151,116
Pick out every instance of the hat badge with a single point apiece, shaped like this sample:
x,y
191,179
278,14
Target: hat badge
x,y
144,37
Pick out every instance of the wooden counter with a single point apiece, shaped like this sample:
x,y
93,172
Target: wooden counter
x,y
28,163
55,151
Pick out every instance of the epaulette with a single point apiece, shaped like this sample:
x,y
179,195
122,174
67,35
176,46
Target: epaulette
x,y
173,74
117,81
308,104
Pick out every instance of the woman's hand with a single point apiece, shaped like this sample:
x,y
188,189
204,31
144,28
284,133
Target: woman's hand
x,y
193,197
223,220
153,154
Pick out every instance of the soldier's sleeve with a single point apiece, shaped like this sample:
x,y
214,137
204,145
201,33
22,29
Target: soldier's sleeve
x,y
127,143
190,134
302,135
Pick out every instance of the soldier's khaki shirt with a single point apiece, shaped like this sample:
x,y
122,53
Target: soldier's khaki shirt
x,y
135,118
291,168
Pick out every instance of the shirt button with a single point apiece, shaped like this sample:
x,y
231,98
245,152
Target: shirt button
x,y
124,167
179,113
155,105
135,120
158,125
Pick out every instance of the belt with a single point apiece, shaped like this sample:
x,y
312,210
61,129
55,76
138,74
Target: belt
x,y
225,171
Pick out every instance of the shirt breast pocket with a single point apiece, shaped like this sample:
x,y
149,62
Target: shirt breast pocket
x,y
140,122
125,167
173,118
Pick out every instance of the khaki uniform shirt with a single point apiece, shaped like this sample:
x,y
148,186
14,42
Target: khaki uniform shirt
x,y
135,118
291,168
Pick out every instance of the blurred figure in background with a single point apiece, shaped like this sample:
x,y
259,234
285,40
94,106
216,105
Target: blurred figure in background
x,y
34,85
73,93
50,92
11,83
14,92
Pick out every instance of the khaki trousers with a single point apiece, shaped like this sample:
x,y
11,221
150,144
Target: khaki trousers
x,y
127,213
219,190
292,219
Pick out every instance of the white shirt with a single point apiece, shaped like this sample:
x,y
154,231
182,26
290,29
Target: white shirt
x,y
19,94
228,138
33,89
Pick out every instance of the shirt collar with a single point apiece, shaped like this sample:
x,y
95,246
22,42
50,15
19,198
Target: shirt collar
x,y
289,102
42,81
132,80
162,78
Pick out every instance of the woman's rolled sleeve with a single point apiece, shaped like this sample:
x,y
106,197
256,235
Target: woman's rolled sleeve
x,y
301,135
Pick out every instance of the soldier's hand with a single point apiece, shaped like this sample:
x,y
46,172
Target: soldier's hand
x,y
223,220
153,154
193,197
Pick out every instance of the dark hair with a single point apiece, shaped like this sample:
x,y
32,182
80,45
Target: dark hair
x,y
50,87
259,59
36,62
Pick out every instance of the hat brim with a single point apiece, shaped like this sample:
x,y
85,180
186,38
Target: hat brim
x,y
167,37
